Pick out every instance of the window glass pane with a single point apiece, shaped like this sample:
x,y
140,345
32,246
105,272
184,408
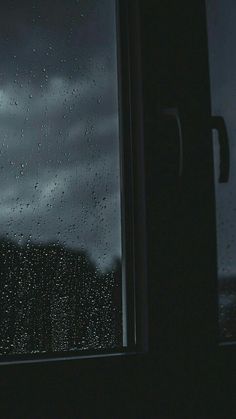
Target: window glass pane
x,y
60,218
221,37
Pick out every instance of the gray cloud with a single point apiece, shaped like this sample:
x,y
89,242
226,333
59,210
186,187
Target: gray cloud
x,y
59,137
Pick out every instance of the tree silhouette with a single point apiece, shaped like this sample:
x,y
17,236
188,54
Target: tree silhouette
x,y
54,299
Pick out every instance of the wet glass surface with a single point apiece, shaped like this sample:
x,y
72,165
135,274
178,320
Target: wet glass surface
x,y
60,218
222,60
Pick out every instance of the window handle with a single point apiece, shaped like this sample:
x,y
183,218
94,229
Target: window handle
x,y
218,123
173,113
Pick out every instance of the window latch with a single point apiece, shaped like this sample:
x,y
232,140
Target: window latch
x,y
218,123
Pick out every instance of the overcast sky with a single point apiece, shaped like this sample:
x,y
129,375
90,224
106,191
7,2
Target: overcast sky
x,y
59,145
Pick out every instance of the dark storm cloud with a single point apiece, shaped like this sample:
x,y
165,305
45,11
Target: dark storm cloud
x,y
59,149
65,36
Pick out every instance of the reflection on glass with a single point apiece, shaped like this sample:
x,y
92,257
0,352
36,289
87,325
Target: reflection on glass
x,y
60,221
221,36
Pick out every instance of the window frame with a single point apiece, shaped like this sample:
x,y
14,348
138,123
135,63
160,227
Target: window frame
x,y
134,265
163,366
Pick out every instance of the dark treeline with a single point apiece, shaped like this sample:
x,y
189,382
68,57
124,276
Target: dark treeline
x,y
53,299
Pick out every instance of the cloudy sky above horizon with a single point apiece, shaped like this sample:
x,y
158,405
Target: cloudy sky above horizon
x,y
59,138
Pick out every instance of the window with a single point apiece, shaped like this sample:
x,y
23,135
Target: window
x,y
80,385
221,31
63,283
183,372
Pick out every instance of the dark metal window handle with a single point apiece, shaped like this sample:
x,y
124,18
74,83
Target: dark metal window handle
x,y
218,123
174,113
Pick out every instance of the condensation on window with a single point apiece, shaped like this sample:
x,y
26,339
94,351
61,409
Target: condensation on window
x,y
60,218
221,31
